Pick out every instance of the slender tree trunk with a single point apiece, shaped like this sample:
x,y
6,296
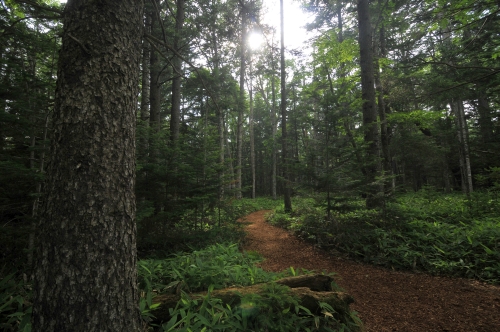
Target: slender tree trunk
x,y
155,108
457,107
252,138
154,88
241,108
284,138
36,202
446,176
295,150
230,156
381,103
145,83
485,116
32,157
273,124
85,272
374,198
175,113
220,111
344,106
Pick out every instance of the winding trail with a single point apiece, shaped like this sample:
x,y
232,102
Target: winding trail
x,y
385,300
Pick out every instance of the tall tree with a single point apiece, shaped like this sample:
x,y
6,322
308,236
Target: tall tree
x,y
273,123
85,274
286,174
381,53
251,125
371,131
242,102
175,114
145,82
155,75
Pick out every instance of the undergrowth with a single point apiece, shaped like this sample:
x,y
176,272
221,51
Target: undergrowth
x,y
220,266
195,228
426,231
274,310
215,267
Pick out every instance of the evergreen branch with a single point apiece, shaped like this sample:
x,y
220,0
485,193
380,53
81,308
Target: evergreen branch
x,y
458,67
465,83
152,39
39,6
9,28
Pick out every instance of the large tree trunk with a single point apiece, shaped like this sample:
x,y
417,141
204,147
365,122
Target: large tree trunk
x,y
85,273
284,138
374,198
309,289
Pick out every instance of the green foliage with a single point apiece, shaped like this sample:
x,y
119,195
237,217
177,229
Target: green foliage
x,y
221,266
259,203
427,231
425,119
15,306
195,228
275,309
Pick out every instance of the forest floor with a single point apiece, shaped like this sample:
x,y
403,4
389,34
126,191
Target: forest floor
x,y
386,300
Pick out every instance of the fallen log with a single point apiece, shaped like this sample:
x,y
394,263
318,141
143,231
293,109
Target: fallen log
x,y
308,289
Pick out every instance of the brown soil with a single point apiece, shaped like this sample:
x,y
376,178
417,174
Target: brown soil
x,y
385,300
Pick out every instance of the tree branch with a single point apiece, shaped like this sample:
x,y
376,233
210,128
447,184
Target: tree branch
x,y
36,5
152,39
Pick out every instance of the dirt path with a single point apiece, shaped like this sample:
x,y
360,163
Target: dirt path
x,y
385,300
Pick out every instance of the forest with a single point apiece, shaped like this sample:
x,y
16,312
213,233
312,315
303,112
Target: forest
x,y
136,135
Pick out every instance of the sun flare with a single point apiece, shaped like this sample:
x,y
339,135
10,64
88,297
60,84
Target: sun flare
x,y
255,40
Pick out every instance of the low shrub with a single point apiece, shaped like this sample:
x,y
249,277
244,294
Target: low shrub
x,y
426,231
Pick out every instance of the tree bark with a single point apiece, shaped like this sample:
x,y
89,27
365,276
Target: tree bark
x,y
372,167
85,273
